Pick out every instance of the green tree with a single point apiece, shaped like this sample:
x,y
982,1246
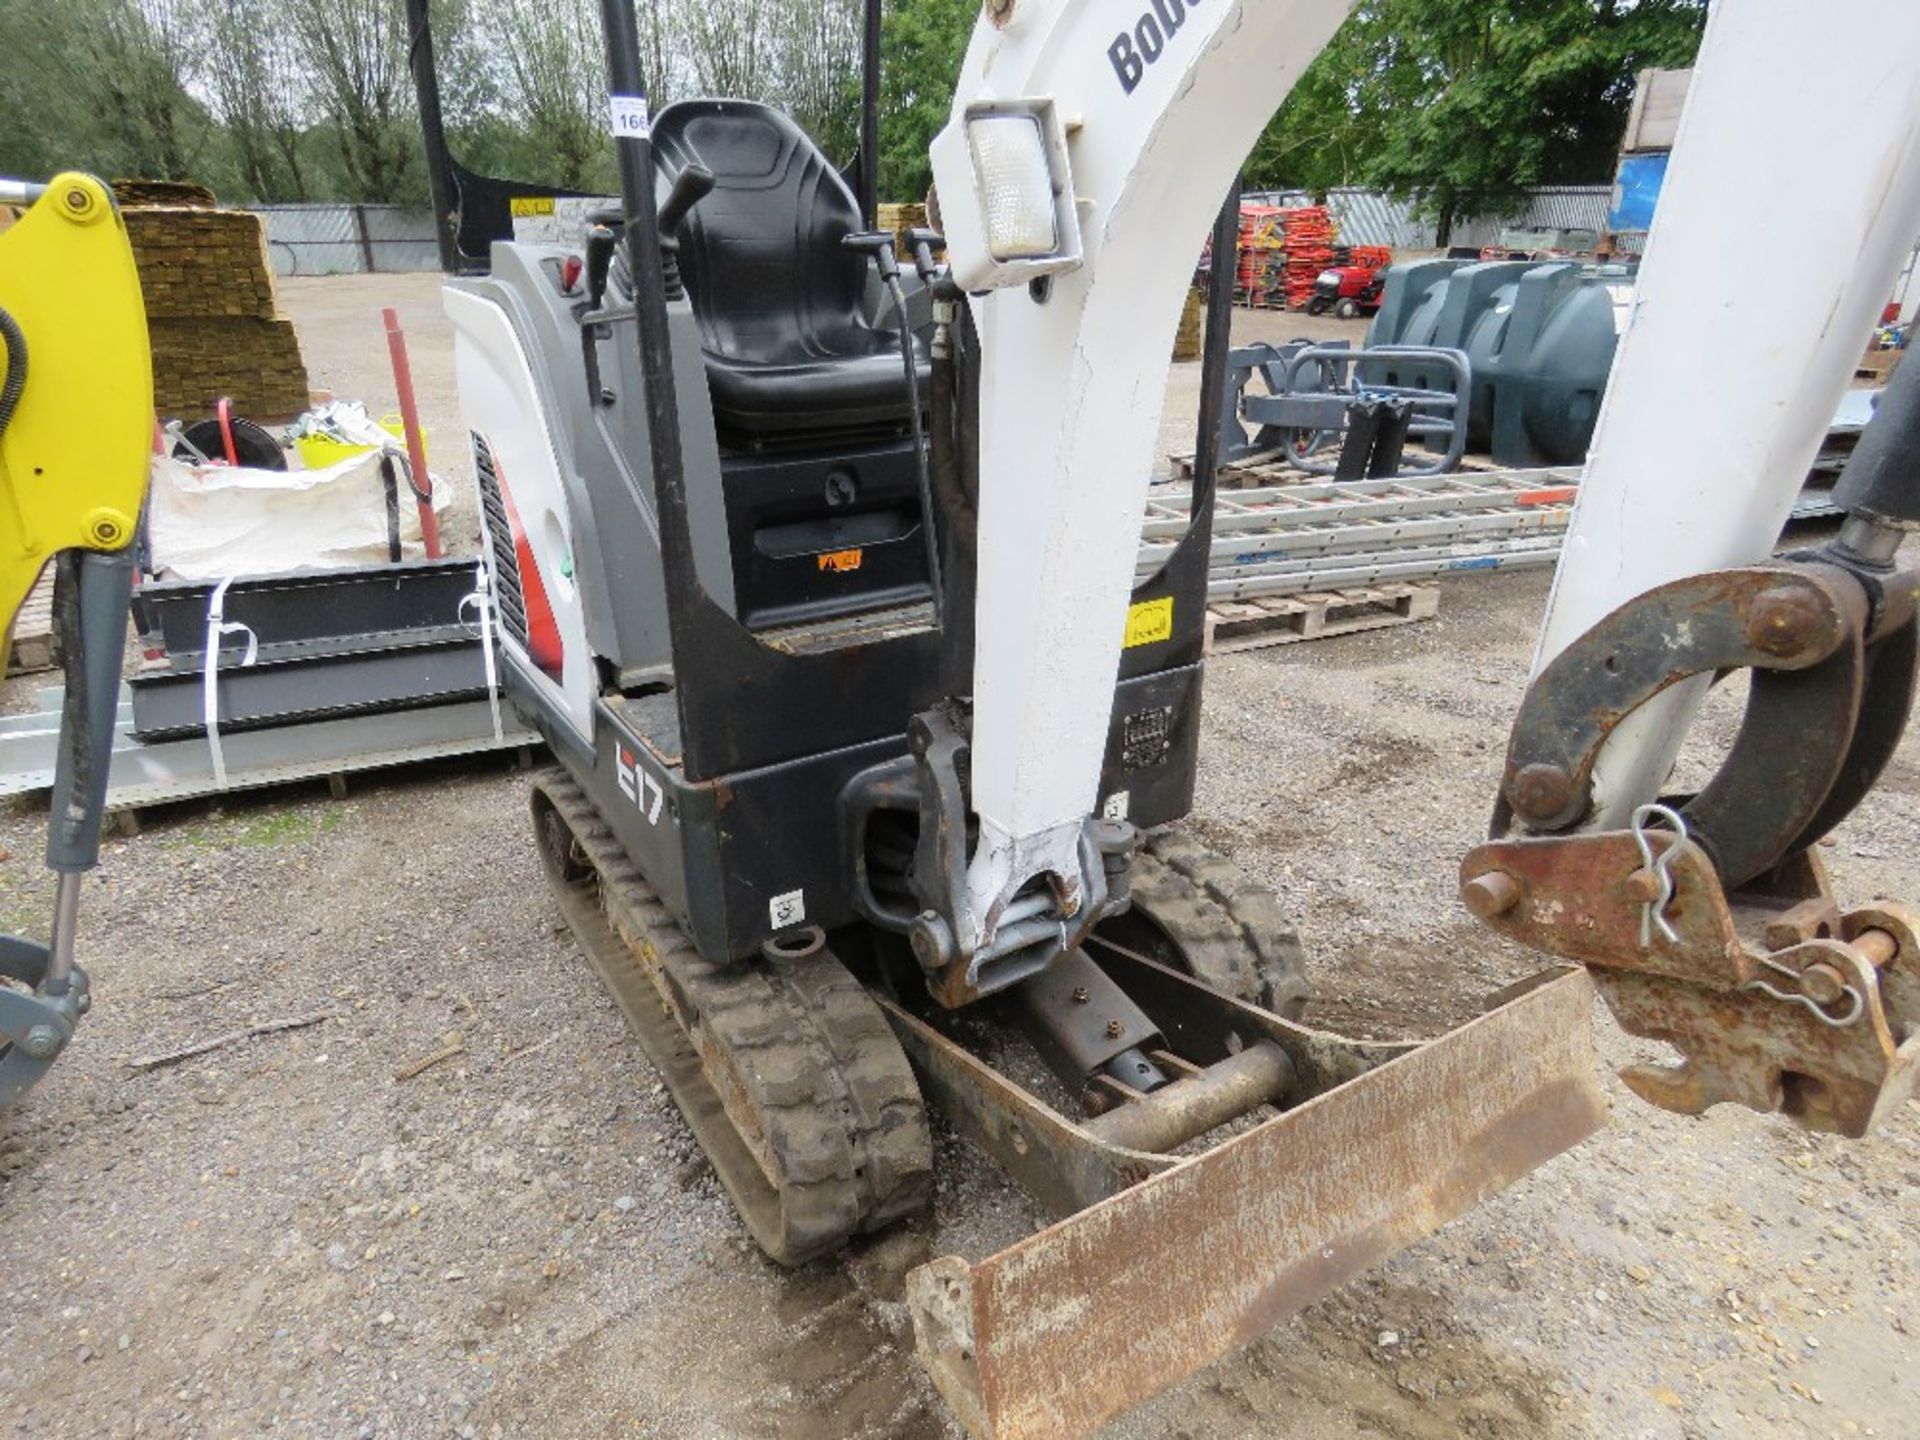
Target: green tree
x,y
357,53
102,85
552,87
922,44
255,85
35,113
1460,105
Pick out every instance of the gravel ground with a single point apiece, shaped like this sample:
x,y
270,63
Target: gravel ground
x,y
281,1238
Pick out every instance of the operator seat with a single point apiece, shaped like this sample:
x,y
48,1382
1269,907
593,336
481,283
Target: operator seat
x,y
788,346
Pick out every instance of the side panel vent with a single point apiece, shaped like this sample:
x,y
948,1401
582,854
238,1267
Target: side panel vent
x,y
506,561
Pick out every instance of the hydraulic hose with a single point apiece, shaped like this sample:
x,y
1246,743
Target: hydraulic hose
x,y
16,344
1879,488
919,443
943,446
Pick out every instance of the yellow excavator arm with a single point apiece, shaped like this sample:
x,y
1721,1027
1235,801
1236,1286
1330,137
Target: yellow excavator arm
x,y
76,424
76,400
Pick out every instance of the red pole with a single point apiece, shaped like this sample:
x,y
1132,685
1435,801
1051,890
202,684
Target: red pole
x,y
225,412
410,422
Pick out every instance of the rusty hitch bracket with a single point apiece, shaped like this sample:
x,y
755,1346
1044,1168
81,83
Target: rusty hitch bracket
x,y
1709,924
1799,627
1382,1144
1778,1001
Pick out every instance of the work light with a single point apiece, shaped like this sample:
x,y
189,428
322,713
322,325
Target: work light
x,y
1015,185
1013,220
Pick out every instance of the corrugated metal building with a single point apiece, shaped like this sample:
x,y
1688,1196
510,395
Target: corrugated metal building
x,y
1372,217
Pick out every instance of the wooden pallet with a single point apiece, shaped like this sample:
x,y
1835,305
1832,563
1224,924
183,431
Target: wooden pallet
x,y
1254,624
1243,474
1876,365
33,630
1259,472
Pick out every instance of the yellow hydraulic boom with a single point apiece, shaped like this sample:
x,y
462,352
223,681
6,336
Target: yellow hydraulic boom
x,y
76,423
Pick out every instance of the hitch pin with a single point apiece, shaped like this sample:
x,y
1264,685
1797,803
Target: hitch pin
x,y
1654,910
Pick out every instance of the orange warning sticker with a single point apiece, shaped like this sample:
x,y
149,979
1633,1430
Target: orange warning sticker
x,y
840,561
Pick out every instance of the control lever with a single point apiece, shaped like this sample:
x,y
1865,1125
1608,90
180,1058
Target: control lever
x,y
924,243
690,187
878,246
601,243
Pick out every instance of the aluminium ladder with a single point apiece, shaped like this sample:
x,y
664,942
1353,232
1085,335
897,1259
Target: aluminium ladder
x,y
1324,534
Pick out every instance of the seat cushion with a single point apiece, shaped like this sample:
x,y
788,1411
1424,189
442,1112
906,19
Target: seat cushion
x,y
780,303
811,393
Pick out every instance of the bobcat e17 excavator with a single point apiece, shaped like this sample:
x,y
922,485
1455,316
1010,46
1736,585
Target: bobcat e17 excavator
x,y
818,578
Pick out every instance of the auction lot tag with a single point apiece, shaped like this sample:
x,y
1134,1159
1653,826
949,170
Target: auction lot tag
x,y
630,119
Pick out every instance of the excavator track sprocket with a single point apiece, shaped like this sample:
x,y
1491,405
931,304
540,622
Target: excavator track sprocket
x,y
1193,909
784,1068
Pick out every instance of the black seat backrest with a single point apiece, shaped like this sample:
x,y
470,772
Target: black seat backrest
x,y
761,255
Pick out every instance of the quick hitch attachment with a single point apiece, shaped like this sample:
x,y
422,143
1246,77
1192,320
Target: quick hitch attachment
x,y
908,841
1709,923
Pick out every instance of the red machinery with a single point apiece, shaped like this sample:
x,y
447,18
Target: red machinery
x,y
1351,288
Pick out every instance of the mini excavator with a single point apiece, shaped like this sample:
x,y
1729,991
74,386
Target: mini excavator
x,y
816,572
814,564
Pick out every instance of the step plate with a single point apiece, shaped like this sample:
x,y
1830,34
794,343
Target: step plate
x,y
1091,1316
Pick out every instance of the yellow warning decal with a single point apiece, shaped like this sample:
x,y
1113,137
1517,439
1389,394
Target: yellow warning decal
x,y
520,205
841,560
1149,621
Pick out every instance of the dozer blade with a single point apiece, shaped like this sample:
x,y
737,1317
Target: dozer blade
x,y
1093,1315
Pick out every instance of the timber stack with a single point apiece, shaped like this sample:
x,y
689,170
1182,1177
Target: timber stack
x,y
212,310
898,221
1186,340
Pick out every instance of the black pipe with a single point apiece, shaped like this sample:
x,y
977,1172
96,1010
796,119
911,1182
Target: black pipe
x,y
870,117
1213,363
942,455
633,147
957,488
433,134
911,364
1881,480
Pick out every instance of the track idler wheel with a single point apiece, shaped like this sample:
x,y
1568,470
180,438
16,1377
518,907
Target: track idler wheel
x,y
561,854
1194,910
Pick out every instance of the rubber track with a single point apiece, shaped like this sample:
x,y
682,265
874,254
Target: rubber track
x,y
1227,930
815,1087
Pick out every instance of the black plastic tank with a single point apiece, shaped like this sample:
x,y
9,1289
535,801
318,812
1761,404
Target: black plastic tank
x,y
1539,337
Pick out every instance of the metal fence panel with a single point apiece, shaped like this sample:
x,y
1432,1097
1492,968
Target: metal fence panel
x,y
312,239
353,239
1570,207
1369,217
402,238
348,239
